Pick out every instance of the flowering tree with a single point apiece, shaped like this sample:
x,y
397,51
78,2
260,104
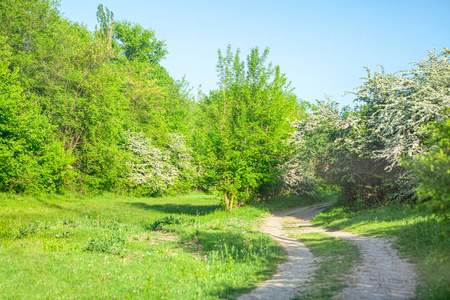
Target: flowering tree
x,y
158,169
361,150
395,107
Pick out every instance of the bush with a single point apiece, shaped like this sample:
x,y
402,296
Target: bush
x,y
433,174
113,244
177,220
30,229
154,170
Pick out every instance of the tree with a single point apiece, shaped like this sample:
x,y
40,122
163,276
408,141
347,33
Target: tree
x,y
244,126
138,43
92,87
31,159
361,150
395,107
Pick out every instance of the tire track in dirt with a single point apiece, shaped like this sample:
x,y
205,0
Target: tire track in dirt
x,y
381,275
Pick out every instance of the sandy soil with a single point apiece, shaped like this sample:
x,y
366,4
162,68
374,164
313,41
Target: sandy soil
x,y
382,274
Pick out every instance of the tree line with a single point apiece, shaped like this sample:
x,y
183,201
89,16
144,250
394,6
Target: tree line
x,y
95,111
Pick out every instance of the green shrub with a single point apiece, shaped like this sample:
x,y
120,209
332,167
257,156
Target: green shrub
x,y
176,220
29,229
113,243
433,173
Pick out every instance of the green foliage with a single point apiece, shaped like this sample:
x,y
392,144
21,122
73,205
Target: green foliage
x,y
243,126
432,171
75,94
113,243
105,19
219,256
63,70
30,156
177,220
137,43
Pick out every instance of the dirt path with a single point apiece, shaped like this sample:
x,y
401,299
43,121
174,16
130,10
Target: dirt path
x,y
382,275
299,266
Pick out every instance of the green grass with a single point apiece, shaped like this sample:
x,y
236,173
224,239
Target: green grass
x,y
415,236
85,247
336,257
106,247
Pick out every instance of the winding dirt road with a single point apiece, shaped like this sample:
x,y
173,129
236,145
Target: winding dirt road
x,y
381,275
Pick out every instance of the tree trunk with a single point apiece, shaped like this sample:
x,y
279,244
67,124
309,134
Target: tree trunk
x,y
227,201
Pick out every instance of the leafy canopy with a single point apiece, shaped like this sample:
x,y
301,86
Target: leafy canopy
x,y
244,125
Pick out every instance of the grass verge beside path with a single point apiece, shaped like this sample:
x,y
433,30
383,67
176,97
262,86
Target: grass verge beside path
x,y
415,236
87,247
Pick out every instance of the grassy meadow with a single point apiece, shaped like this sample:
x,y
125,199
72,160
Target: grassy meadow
x,y
187,247
117,247
184,247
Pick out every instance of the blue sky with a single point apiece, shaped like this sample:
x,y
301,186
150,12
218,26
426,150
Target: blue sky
x,y
321,46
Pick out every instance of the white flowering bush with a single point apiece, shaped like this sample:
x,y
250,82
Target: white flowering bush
x,y
159,169
362,150
182,159
150,166
396,107
296,179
